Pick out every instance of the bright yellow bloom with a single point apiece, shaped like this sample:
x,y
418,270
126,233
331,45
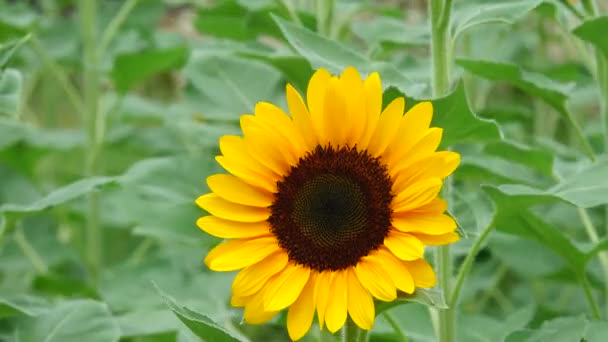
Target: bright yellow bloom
x,y
329,208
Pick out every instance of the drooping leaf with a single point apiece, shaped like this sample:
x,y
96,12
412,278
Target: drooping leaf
x,y
594,31
200,324
553,93
227,87
460,124
472,14
11,83
324,52
70,321
133,68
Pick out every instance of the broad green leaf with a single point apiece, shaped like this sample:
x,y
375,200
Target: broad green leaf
x,y
15,20
594,31
295,68
553,93
233,21
332,55
70,321
8,49
384,29
133,68
586,188
11,82
200,324
472,14
535,158
430,297
59,195
145,323
513,217
564,329
481,166
22,305
460,124
227,87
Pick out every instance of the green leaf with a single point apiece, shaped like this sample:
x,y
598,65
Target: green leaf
x,y
60,195
295,68
200,324
472,14
553,93
460,124
228,87
133,68
564,329
7,50
330,54
535,158
22,305
70,321
11,83
147,322
585,189
430,297
594,31
383,29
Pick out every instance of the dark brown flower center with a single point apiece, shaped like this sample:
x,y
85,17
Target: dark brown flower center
x,y
332,208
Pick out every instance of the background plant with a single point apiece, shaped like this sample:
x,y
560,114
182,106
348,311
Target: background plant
x,y
110,113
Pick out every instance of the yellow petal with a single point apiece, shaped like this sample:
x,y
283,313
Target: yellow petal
x,y
265,147
302,311
422,272
235,190
250,280
239,302
247,174
254,310
233,255
437,240
324,280
315,96
437,206
274,119
234,148
301,117
397,270
336,311
360,302
375,279
427,223
221,208
373,106
387,127
423,148
404,246
437,165
417,195
414,124
232,229
352,88
285,287
335,121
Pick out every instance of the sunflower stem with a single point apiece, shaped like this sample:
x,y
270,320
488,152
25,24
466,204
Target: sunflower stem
x,y
393,322
350,331
88,26
440,14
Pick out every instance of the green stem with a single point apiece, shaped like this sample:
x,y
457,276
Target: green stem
x,y
573,9
440,13
88,26
292,11
589,296
468,262
391,320
325,10
350,331
580,135
30,252
590,7
115,24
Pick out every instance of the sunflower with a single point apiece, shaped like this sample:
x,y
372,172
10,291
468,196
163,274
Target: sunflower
x,y
330,207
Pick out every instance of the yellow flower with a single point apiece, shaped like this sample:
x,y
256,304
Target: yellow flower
x,y
330,207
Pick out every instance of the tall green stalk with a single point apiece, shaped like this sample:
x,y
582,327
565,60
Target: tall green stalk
x,y
440,13
88,27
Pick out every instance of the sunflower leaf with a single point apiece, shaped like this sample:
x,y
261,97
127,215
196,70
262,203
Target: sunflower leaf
x,y
11,83
459,123
324,52
594,32
199,323
71,321
21,305
430,297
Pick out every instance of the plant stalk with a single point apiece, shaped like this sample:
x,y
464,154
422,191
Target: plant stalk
x,y
440,13
88,27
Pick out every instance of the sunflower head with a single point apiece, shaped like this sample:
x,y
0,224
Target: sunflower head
x,y
329,207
